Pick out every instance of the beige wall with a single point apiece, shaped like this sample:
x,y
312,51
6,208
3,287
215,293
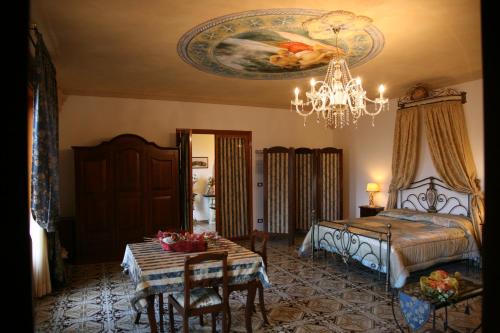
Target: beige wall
x,y
90,120
368,150
203,145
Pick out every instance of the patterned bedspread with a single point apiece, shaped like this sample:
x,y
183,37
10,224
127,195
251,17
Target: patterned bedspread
x,y
419,240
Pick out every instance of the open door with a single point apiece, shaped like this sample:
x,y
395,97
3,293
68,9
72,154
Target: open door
x,y
233,169
183,138
233,179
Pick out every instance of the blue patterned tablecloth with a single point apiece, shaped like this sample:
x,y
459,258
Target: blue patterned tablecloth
x,y
155,270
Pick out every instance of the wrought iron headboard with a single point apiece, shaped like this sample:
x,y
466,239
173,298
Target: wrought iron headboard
x,y
433,196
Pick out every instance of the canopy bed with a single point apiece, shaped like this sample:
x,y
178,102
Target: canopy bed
x,y
429,221
430,225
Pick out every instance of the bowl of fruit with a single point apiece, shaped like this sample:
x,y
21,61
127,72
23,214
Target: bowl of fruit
x,y
440,285
182,241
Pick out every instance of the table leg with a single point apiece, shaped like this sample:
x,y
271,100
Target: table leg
x,y
252,288
151,313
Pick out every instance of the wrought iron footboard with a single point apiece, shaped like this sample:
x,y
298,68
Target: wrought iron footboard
x,y
348,244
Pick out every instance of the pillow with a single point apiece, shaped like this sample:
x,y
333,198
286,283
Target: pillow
x,y
403,214
445,220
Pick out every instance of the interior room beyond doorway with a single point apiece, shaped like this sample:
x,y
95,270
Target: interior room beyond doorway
x,y
203,171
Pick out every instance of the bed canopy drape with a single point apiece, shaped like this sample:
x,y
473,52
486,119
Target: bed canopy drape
x,y
446,133
404,153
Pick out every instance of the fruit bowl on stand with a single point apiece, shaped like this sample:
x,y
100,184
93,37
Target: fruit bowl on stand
x,y
440,286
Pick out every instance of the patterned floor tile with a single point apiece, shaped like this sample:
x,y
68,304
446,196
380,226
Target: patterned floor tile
x,y
306,295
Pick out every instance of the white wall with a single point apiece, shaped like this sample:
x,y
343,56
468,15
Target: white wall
x,y
203,145
368,150
87,121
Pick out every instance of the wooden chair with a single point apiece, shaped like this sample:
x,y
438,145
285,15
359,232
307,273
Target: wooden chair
x,y
261,237
201,296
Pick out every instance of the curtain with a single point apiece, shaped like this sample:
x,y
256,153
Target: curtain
x,y
330,184
231,186
184,178
45,156
404,153
305,197
278,200
452,155
40,261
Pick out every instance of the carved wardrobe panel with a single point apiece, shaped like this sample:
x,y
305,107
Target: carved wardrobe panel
x,y
126,188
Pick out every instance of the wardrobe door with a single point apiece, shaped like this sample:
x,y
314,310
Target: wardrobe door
x,y
329,184
129,199
305,188
163,209
279,192
94,208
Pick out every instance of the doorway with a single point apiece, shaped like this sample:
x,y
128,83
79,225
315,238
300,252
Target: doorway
x,y
203,173
231,201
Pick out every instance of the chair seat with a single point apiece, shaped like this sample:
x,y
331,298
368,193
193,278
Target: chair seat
x,y
199,297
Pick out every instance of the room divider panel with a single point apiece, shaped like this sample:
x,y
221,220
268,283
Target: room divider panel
x,y
300,186
279,191
305,188
329,179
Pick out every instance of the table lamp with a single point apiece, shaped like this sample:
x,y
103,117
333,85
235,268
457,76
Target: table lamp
x,y
371,188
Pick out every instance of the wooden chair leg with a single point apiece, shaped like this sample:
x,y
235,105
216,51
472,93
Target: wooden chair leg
x,y
262,304
214,322
160,310
137,318
185,323
226,322
171,316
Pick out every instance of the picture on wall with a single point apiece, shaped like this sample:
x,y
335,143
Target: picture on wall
x,y
200,162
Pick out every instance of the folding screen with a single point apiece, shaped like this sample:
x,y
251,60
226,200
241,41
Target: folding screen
x,y
329,184
279,191
305,188
300,186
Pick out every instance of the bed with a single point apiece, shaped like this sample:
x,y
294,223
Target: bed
x,y
431,225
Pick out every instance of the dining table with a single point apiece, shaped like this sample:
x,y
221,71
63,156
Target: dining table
x,y
155,271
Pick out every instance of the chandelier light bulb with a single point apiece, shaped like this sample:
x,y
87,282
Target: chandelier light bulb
x,y
358,81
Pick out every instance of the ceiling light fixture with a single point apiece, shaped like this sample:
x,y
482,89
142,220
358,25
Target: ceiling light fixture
x,y
339,96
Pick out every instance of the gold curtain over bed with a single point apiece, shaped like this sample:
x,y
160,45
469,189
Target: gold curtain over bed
x,y
452,155
404,153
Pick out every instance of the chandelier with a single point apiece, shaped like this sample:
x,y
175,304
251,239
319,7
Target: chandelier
x,y
339,98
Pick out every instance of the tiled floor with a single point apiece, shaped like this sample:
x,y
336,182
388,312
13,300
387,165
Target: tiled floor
x,y
306,296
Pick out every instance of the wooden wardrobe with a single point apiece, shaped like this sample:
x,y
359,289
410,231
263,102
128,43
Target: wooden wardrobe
x,y
126,188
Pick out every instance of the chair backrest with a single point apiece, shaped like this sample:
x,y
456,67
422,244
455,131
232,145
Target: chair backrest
x,y
262,237
210,281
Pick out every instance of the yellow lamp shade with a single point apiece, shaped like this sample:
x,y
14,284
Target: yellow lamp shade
x,y
372,187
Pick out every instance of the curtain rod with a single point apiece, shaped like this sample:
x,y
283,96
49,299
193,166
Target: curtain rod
x,y
447,95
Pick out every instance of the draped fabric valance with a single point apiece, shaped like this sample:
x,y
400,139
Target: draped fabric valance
x,y
404,153
451,153
450,150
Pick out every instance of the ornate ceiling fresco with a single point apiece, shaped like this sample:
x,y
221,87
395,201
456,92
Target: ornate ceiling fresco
x,y
273,44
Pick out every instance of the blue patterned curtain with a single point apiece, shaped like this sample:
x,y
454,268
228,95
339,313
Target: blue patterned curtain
x,y
45,171
45,165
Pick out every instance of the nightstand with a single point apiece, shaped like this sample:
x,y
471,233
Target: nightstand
x,y
365,211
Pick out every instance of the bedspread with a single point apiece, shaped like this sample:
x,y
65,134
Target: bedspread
x,y
419,240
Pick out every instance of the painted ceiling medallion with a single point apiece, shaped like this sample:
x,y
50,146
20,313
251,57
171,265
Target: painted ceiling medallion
x,y
274,44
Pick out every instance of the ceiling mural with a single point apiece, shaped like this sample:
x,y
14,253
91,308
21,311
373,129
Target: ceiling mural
x,y
273,44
